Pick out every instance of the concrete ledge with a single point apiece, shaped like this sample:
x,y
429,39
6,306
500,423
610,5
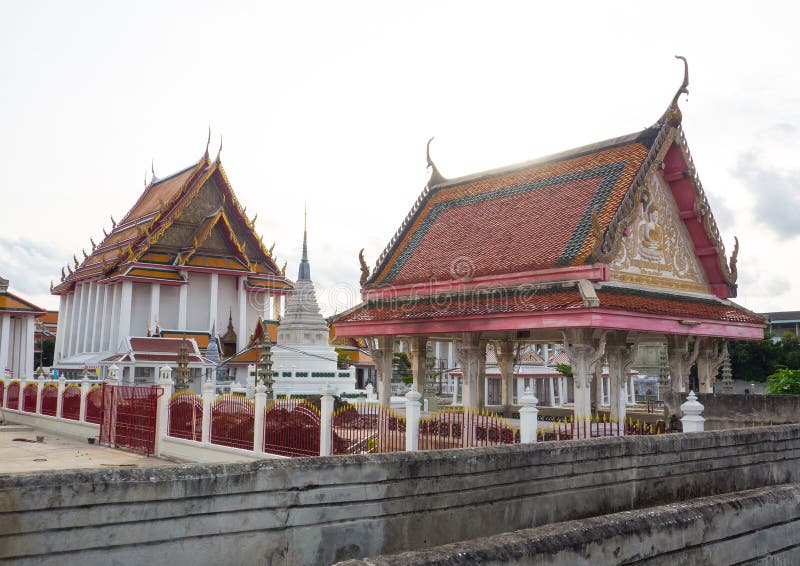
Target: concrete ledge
x,y
66,427
323,510
756,525
191,451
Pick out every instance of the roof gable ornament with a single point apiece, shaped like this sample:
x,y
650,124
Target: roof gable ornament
x,y
208,143
364,268
732,263
672,116
435,177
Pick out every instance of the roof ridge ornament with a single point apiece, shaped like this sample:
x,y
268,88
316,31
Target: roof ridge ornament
x,y
153,179
672,116
435,177
208,143
364,268
733,260
219,151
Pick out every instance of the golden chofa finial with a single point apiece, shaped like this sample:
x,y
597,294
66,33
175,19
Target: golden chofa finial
x,y
75,259
94,246
364,268
63,275
435,177
673,116
272,247
113,223
283,269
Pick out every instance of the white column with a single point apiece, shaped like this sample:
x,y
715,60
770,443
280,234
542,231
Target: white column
x,y
62,384
326,420
85,386
413,407
88,321
63,317
77,319
258,424
552,390
126,299
209,392
562,389
102,344
241,332
266,311
155,300
528,417
162,412
113,329
94,344
183,297
5,342
26,365
213,300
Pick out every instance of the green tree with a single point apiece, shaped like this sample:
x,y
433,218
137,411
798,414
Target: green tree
x,y
755,360
564,369
784,382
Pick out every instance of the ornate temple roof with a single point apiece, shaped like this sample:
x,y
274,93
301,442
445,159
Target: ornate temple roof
x,y
12,304
617,234
189,220
157,350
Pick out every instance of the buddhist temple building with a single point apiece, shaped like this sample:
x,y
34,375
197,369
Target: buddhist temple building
x,y
17,329
303,360
184,259
599,248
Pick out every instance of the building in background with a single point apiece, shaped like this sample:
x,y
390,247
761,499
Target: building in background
x,y
782,322
17,333
184,258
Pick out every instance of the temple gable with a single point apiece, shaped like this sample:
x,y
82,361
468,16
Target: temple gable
x,y
656,250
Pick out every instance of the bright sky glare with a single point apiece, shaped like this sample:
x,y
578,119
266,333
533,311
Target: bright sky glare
x,y
331,103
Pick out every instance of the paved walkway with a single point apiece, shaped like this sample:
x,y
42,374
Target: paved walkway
x,y
60,453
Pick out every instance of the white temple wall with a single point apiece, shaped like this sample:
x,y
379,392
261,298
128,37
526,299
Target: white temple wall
x,y
63,317
255,308
227,303
168,307
112,334
197,312
140,309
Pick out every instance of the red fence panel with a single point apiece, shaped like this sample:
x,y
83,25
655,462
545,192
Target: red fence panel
x,y
71,402
128,417
291,428
50,399
454,427
94,405
186,416
2,390
233,421
29,398
594,427
12,396
361,428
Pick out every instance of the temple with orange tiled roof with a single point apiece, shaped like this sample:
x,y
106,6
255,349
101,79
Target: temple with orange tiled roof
x,y
600,248
17,329
184,258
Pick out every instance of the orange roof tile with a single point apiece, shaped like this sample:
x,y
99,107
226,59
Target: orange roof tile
x,y
10,302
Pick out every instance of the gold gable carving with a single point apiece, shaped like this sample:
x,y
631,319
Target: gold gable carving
x,y
656,250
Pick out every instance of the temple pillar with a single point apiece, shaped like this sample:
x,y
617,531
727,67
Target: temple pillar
x,y
481,376
680,360
467,346
183,299
61,329
708,364
418,355
584,352
562,390
86,345
620,356
113,326
26,366
155,300
382,352
506,353
101,340
126,298
213,300
241,333
551,390
5,342
76,327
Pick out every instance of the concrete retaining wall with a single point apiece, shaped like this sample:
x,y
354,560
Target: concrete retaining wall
x,y
756,526
735,411
324,510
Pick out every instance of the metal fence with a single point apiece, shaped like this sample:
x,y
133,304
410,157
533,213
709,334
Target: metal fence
x,y
186,416
12,395
49,399
128,417
71,403
453,427
94,405
595,427
29,394
232,422
291,428
361,428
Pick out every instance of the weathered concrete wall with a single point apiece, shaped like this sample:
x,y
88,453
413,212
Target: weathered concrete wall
x,y
760,526
735,411
323,510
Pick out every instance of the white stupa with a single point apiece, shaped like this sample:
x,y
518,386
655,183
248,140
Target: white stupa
x,y
303,358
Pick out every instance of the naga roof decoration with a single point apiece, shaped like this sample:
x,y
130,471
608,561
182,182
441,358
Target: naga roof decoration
x,y
567,209
151,240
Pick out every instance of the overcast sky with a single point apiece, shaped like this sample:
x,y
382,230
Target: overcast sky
x,y
331,103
